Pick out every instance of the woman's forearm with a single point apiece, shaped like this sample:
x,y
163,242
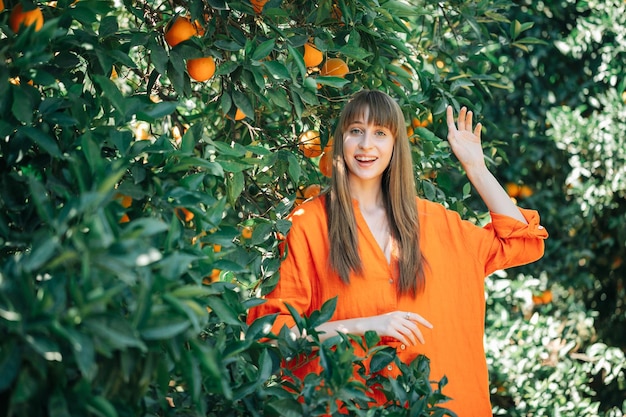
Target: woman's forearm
x,y
492,193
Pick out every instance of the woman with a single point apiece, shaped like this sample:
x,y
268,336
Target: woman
x,y
401,266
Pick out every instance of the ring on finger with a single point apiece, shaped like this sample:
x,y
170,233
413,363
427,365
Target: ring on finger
x,y
407,316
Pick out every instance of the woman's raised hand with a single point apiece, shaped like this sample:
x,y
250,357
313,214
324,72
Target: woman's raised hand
x,y
464,139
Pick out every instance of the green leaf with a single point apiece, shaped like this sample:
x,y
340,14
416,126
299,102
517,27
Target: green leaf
x,y
325,313
42,139
336,82
299,60
260,327
156,111
42,252
226,313
164,329
381,359
263,50
144,227
84,352
114,332
22,107
294,167
111,92
516,29
101,407
285,407
228,45
10,363
277,70
400,8
234,186
159,56
243,103
191,137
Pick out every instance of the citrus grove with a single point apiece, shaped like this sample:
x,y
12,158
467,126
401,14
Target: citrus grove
x,y
150,155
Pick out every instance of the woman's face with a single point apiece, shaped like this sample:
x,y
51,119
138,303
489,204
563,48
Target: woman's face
x,y
367,149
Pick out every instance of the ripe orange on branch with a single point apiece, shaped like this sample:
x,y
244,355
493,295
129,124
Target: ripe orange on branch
x,y
335,67
184,214
246,232
258,5
310,144
311,191
201,69
312,56
19,18
239,114
179,30
326,164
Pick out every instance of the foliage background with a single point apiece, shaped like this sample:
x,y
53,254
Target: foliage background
x,y
104,318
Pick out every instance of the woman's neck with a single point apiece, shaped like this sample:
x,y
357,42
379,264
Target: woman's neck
x,y
369,195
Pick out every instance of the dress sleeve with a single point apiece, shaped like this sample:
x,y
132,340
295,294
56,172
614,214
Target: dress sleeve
x,y
297,271
515,243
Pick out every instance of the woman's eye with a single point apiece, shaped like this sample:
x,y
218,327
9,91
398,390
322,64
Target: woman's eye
x,y
355,131
381,133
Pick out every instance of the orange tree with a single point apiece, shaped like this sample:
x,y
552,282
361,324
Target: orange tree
x,y
149,156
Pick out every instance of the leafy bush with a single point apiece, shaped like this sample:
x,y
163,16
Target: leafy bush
x,y
542,349
562,128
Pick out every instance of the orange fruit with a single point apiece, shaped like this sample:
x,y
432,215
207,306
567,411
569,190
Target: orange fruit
x,y
217,248
300,196
19,18
258,5
239,114
1,5
201,69
184,214
335,67
543,298
512,189
329,146
125,200
179,31
416,122
246,232
199,29
312,56
326,164
124,218
215,276
198,237
525,191
311,191
310,144
142,131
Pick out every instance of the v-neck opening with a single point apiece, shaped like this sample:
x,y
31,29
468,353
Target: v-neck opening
x,y
362,223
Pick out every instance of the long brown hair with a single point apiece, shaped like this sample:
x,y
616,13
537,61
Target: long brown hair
x,y
398,187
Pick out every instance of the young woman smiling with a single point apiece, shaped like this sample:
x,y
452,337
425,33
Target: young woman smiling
x,y
407,268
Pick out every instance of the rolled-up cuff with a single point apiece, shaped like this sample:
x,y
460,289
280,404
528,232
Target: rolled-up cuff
x,y
508,227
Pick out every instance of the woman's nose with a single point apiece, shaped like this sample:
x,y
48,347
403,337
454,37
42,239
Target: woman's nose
x,y
366,141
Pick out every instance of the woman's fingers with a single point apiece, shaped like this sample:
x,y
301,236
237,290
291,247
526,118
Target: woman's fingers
x,y
461,119
416,317
463,122
411,332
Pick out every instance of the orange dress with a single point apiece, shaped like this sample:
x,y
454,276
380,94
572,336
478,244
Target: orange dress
x,y
459,255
